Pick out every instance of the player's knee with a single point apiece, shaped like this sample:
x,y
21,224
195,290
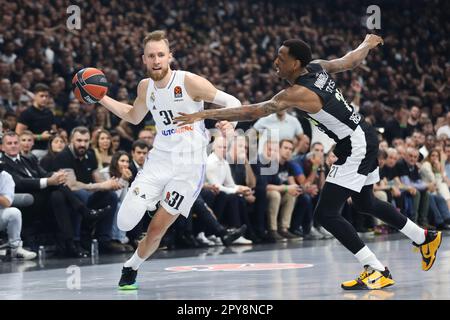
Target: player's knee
x,y
322,213
128,217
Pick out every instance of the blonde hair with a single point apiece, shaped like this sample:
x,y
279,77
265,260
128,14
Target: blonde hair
x,y
157,35
26,133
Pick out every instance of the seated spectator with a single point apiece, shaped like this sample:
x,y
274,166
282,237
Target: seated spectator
x,y
206,225
73,117
447,164
115,141
430,144
103,148
259,219
243,175
26,143
11,218
282,124
282,191
50,196
381,187
139,152
226,203
148,136
396,126
413,124
120,169
432,173
10,121
302,148
383,145
89,187
102,118
56,144
313,166
399,195
63,134
445,129
39,120
408,172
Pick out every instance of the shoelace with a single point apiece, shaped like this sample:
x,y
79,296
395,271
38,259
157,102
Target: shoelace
x,y
364,274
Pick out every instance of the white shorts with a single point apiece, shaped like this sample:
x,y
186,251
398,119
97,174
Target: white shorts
x,y
357,164
173,181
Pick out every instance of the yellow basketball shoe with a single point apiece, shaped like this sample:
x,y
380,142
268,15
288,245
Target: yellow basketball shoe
x,y
429,248
370,279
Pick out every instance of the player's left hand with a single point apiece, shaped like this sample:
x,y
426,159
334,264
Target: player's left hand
x,y
373,40
186,118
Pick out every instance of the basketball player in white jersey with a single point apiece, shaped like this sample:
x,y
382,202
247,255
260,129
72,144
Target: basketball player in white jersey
x,y
315,95
173,174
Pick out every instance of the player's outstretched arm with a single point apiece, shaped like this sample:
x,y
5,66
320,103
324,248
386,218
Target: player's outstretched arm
x,y
134,113
200,88
353,58
243,113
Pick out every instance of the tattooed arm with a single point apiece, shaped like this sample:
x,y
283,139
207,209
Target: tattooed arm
x,y
245,113
352,59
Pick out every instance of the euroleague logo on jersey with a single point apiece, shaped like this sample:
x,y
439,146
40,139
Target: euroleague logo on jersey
x,y
241,267
178,93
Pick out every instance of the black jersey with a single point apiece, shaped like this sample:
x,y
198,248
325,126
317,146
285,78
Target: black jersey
x,y
337,119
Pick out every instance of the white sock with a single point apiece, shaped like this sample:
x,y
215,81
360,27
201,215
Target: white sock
x,y
366,257
414,232
134,262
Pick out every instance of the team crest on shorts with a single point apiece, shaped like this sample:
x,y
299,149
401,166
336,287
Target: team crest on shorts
x,y
178,92
136,191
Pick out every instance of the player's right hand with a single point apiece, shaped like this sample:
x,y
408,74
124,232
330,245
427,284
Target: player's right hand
x,y
186,118
373,40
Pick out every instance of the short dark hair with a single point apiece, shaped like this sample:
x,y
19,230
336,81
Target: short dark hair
x,y
286,140
9,114
41,87
299,49
80,130
141,144
382,154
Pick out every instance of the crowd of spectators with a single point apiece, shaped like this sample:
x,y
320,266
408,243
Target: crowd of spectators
x,y
78,160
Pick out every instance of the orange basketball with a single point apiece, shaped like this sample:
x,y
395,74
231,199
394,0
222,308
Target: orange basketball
x,y
89,85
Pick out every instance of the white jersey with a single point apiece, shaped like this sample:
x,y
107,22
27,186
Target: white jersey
x,y
165,104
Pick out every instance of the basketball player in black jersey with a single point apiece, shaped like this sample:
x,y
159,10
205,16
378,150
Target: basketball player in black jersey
x,y
315,94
